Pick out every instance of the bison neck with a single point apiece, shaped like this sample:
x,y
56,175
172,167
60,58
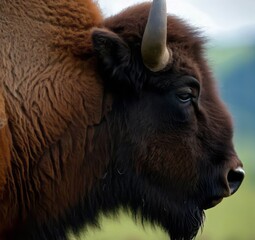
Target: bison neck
x,y
52,97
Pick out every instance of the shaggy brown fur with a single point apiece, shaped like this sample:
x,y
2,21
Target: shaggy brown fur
x,y
51,98
67,136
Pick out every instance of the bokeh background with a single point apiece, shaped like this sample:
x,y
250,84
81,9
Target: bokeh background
x,y
230,28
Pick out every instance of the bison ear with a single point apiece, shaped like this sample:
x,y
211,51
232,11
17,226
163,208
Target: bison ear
x,y
111,50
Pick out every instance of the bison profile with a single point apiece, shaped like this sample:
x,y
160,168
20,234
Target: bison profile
x,y
97,114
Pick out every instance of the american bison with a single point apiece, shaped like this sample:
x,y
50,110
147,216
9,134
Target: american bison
x,y
97,114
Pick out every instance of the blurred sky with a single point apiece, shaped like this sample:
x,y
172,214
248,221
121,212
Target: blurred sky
x,y
219,19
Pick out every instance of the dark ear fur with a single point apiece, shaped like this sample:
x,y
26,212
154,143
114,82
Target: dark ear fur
x,y
114,60
110,48
120,70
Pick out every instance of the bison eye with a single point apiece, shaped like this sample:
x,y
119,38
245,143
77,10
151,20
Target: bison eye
x,y
184,97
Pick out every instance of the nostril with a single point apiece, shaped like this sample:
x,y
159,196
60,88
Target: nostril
x,y
235,178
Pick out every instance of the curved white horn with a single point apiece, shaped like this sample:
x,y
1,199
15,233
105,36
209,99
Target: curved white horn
x,y
155,53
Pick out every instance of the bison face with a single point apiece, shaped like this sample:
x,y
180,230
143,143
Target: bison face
x,y
171,136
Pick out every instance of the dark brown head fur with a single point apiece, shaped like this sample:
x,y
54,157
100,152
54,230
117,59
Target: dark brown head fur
x,y
93,129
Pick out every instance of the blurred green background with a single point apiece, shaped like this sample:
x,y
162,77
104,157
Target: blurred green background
x,y
231,54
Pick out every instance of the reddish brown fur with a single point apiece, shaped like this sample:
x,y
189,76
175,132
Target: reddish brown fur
x,y
34,68
5,143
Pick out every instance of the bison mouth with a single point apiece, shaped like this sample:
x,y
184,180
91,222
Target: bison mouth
x,y
212,202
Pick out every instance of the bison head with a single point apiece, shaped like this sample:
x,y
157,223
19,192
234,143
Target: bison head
x,y
171,147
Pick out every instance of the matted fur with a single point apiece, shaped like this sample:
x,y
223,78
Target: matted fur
x,y
51,97
86,128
